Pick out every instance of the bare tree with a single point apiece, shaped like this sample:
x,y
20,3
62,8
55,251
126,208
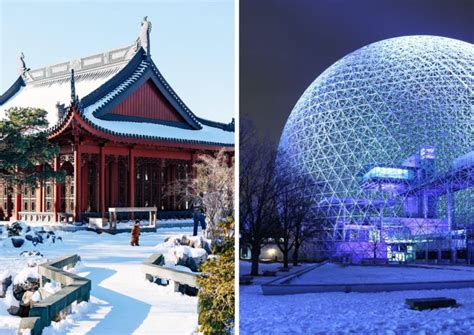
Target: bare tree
x,y
257,191
307,227
294,204
215,181
285,206
213,184
374,239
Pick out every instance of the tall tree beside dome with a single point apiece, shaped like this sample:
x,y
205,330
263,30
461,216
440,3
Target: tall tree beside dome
x,y
257,198
24,147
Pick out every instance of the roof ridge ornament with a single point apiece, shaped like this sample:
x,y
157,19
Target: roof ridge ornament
x,y
22,68
144,39
74,96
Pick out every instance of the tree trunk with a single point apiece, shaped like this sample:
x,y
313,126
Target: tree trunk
x,y
285,258
295,254
255,259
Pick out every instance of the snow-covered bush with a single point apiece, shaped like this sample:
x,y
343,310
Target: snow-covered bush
x,y
185,251
17,228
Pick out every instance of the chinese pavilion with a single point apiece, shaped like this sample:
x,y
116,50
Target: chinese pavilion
x,y
123,132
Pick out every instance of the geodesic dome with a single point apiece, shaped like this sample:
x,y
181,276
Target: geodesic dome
x,y
380,132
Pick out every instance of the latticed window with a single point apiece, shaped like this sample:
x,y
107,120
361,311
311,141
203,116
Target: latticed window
x,y
48,196
149,179
122,181
67,195
5,207
28,198
92,183
67,188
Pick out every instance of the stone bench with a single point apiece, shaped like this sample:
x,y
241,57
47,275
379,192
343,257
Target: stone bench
x,y
156,271
74,289
430,303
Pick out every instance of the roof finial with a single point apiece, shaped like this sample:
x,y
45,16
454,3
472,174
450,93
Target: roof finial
x,y
74,97
144,38
22,69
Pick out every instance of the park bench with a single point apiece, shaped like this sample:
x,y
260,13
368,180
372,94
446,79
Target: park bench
x,y
184,281
74,289
430,303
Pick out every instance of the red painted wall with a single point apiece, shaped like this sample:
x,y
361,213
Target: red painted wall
x,y
148,102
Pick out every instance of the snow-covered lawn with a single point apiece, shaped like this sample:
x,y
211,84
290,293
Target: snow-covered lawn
x,y
353,313
337,274
122,301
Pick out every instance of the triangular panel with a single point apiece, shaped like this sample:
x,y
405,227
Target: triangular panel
x,y
146,103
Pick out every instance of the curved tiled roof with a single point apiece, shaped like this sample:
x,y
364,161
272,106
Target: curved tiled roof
x,y
101,82
49,86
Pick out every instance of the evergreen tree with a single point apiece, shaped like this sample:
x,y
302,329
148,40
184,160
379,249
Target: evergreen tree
x,y
24,147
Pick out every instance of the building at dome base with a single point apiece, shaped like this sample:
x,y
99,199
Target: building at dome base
x,y
387,134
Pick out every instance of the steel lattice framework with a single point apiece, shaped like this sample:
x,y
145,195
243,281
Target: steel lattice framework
x,y
378,106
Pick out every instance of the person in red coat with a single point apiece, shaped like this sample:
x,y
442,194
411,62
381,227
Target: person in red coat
x,y
135,233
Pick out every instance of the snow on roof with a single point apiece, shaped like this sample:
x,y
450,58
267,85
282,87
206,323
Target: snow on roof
x,y
47,95
206,134
45,87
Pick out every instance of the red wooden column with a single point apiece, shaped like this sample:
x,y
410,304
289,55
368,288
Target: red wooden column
x,y
56,190
102,181
131,178
17,202
77,182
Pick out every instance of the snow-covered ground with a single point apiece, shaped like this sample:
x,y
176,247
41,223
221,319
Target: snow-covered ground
x,y
336,274
122,301
352,313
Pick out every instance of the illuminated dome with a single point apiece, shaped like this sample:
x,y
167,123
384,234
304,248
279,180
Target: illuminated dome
x,y
382,107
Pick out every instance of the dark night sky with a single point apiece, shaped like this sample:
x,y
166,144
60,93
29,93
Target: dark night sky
x,y
286,44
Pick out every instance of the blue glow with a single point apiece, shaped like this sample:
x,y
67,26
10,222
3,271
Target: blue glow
x,y
388,172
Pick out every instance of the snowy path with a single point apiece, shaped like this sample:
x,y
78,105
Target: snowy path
x,y
122,301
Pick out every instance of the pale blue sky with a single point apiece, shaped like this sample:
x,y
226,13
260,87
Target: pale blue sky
x,y
192,42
